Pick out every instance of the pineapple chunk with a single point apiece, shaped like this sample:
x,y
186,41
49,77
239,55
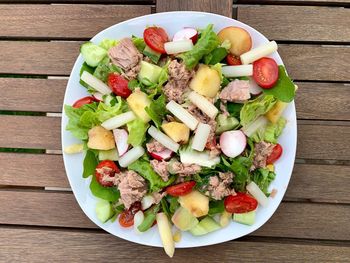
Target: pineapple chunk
x,y
177,131
100,139
196,203
276,111
270,167
74,148
206,81
138,101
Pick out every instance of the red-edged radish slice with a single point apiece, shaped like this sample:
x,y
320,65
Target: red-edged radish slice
x,y
254,88
163,155
186,33
233,143
98,96
121,140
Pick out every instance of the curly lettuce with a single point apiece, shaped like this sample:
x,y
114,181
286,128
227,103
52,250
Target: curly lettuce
x,y
137,132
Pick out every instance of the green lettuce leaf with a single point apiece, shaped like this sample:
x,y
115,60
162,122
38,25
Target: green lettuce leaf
x,y
107,193
263,178
215,56
108,43
150,217
270,133
105,112
139,43
143,168
216,207
252,109
137,132
89,164
207,42
156,110
284,89
234,109
104,68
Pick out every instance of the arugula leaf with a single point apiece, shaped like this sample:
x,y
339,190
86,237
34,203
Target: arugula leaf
x,y
216,207
263,178
234,109
107,193
133,84
137,132
207,42
89,164
284,89
173,204
156,110
150,217
165,207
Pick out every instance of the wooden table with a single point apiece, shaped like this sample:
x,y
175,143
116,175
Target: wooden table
x,y
40,219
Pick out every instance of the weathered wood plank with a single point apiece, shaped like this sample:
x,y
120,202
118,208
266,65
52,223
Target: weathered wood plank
x,y
25,94
297,2
57,58
300,23
78,246
50,21
81,1
222,7
45,209
40,170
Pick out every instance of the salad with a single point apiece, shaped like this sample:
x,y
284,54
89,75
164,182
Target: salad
x,y
181,133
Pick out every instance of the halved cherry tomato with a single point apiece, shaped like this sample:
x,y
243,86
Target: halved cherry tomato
x,y
233,60
119,85
126,218
180,189
155,37
240,203
275,155
265,72
106,167
83,101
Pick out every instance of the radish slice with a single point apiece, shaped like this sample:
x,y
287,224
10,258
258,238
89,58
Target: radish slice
x,y
254,126
233,143
180,46
163,155
131,156
163,139
147,201
118,120
138,219
201,137
254,88
237,71
186,33
121,140
259,195
98,96
95,83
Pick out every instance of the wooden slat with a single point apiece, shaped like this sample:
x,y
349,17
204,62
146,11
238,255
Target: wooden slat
x,y
45,209
306,23
32,245
57,58
40,170
222,7
25,94
81,1
50,21
297,2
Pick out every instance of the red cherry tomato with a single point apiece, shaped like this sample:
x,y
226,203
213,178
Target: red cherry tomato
x,y
83,101
126,218
265,72
233,60
104,168
240,203
275,155
155,37
119,85
180,189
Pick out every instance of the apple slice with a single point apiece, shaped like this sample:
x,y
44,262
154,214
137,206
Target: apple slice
x,y
121,140
240,39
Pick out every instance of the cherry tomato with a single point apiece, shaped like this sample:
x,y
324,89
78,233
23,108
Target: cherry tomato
x,y
275,155
155,37
119,85
240,203
126,218
83,101
233,60
106,167
180,189
265,72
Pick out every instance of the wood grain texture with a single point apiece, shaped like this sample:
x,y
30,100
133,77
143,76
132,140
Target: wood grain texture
x,y
284,223
76,246
222,7
50,21
40,170
300,23
297,2
24,94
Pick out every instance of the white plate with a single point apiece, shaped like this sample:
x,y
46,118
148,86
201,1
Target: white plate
x,y
172,22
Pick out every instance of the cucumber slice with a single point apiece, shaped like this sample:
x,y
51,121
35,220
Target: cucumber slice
x,y
198,230
149,73
245,218
153,55
108,155
104,210
205,226
225,123
92,53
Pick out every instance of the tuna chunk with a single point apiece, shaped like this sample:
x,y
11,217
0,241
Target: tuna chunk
x,y
126,56
161,168
261,151
182,169
132,187
219,186
154,146
158,196
236,91
179,78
